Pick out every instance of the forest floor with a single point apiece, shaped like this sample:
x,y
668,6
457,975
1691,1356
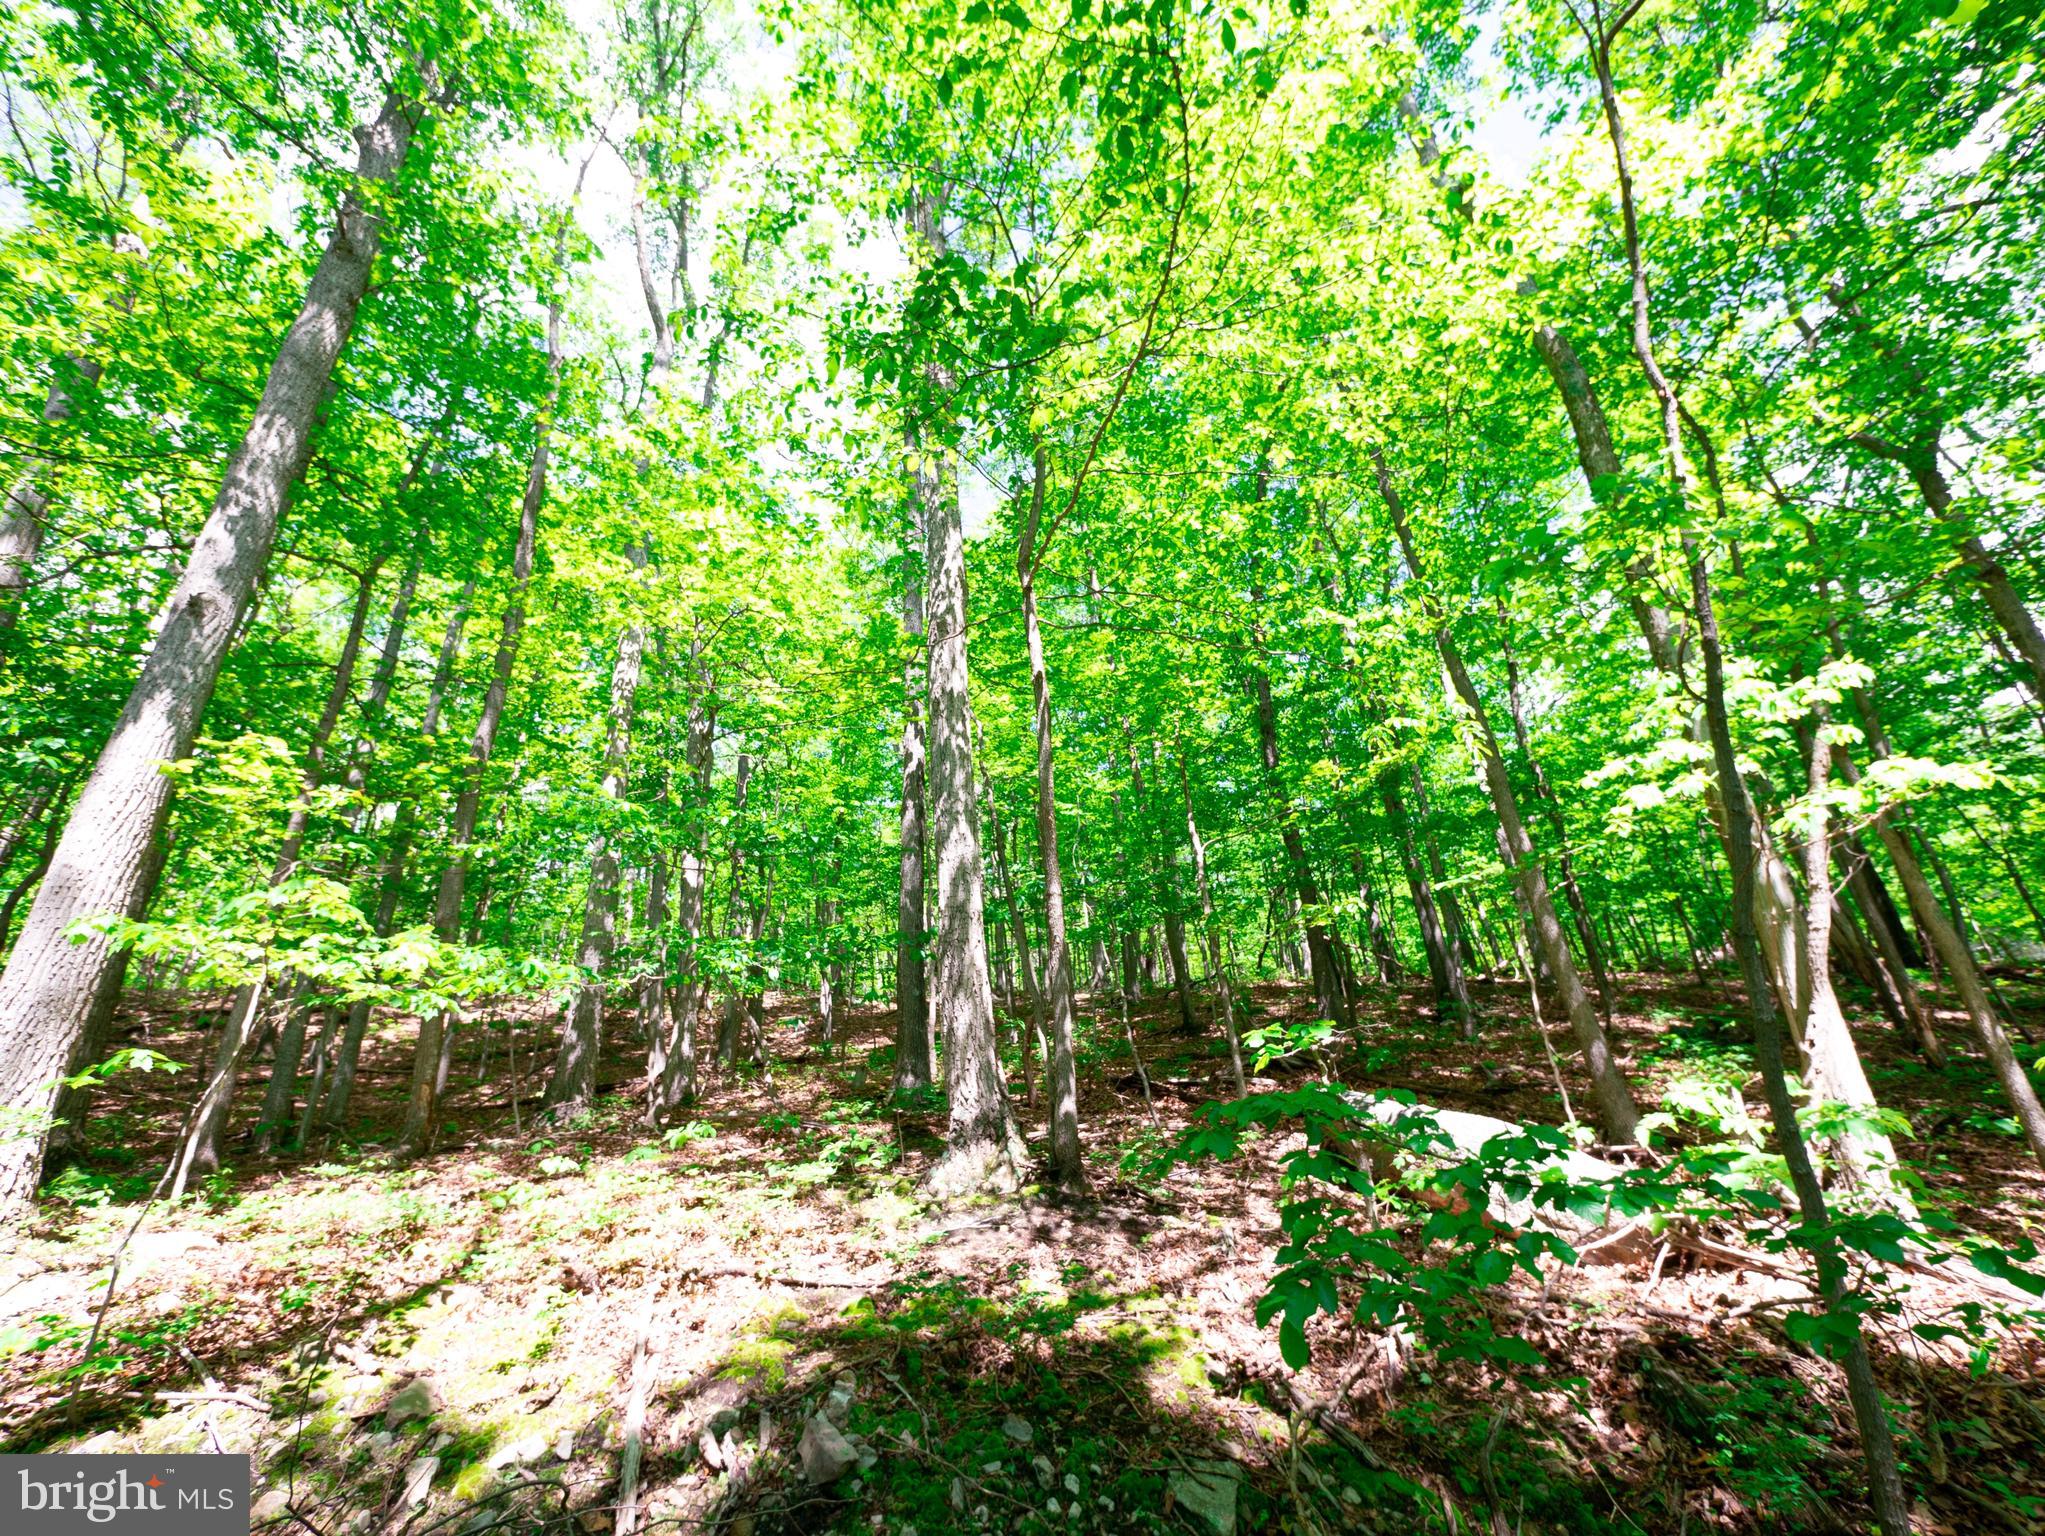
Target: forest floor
x,y
466,1343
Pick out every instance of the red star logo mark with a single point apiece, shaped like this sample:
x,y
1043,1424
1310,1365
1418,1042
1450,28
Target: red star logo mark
x,y
155,1482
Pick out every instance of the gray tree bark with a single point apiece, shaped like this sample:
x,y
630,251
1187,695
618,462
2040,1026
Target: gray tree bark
x,y
104,861
1061,1076
983,1149
914,1069
1618,1116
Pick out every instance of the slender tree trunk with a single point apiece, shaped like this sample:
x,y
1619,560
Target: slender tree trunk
x,y
914,1068
1329,1000
1384,947
1060,1071
273,1123
423,1102
1776,917
685,1000
1551,806
1444,965
735,915
47,991
1866,1156
1878,1447
1617,1114
572,1086
1098,979
1224,996
397,851
1164,896
1870,1416
28,499
1019,936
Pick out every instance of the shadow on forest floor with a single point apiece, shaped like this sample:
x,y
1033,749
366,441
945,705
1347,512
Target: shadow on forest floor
x,y
450,1345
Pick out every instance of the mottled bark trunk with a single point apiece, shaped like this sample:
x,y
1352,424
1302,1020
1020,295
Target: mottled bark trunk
x,y
983,1150
104,858
1866,1157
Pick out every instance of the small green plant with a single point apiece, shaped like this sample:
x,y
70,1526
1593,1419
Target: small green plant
x,y
694,1130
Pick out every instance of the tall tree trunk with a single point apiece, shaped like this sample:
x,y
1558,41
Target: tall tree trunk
x,y
1877,1443
1217,967
422,1107
1551,806
573,1084
1777,920
1061,1075
104,861
1329,1000
1444,965
685,999
1618,1116
983,1150
28,500
404,826
1870,1416
914,1069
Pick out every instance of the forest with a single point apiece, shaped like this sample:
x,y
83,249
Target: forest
x,y
1027,765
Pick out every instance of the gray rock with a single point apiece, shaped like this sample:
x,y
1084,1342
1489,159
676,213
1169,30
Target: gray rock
x,y
1017,1430
1046,1473
825,1453
958,1494
1071,1483
416,1399
839,1402
419,1480
518,1453
1207,1496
